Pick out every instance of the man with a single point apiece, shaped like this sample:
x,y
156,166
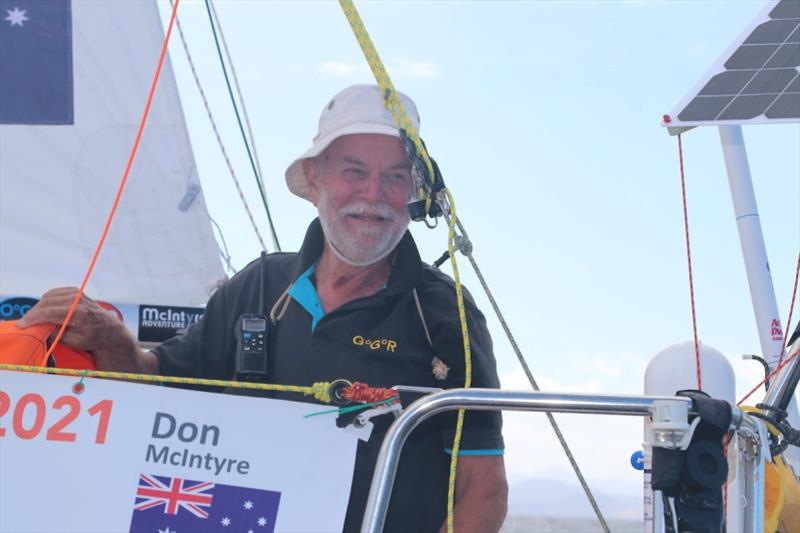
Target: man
x,y
355,303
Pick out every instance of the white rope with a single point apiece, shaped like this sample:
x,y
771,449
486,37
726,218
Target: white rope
x,y
223,251
217,135
466,249
250,135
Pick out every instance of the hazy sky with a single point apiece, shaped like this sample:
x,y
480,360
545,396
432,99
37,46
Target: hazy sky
x,y
544,117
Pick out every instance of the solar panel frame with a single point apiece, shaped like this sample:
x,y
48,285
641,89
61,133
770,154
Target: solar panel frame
x,y
755,81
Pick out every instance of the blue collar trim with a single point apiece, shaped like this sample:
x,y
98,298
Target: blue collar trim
x,y
304,293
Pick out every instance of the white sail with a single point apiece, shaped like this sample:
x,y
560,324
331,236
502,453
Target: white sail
x,y
57,182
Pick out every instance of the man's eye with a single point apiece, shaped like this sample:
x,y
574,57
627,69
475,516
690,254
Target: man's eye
x,y
356,172
398,177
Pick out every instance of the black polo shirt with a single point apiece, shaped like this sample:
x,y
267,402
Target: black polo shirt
x,y
335,348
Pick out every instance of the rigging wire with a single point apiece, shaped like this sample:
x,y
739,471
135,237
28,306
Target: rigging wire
x,y
781,362
788,326
259,182
134,149
239,95
467,251
689,260
769,377
223,252
218,137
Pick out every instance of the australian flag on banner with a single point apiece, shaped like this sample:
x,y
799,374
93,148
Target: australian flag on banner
x,y
36,62
175,505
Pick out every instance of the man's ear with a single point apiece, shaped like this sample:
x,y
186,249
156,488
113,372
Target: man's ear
x,y
311,172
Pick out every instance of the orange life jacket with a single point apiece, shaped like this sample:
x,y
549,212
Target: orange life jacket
x,y
28,347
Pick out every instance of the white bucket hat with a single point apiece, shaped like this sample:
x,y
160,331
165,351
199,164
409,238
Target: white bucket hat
x,y
357,109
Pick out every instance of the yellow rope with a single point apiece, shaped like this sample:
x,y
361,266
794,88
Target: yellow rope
x,y
770,427
319,390
401,118
391,98
462,316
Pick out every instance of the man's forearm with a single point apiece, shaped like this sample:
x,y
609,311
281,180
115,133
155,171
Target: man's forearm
x,y
149,362
483,515
123,354
481,495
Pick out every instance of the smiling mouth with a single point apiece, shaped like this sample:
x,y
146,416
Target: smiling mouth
x,y
369,218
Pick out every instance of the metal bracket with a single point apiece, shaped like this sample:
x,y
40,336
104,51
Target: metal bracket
x,y
363,418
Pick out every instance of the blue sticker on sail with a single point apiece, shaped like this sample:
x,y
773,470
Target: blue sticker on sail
x,y
36,62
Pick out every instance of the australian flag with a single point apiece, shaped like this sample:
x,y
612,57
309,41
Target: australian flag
x,y
36,62
176,505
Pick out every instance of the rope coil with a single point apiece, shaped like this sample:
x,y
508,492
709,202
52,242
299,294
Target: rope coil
x,y
361,392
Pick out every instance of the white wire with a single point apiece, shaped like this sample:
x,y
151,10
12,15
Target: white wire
x,y
674,514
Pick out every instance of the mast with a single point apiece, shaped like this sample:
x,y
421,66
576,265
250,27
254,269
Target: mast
x,y
754,251
755,81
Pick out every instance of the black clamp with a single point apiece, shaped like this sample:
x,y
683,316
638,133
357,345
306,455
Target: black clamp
x,y
694,476
407,395
419,209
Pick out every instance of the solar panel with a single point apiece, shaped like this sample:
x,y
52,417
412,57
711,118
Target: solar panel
x,y
757,80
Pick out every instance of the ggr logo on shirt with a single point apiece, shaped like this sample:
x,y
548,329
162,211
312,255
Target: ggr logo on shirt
x,y
376,344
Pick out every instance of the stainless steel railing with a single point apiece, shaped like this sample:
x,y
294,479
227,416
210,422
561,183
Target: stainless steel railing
x,y
486,400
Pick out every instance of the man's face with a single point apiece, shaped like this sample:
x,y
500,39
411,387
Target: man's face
x,y
361,185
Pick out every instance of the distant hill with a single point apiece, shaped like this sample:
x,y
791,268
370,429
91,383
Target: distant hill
x,y
553,505
549,524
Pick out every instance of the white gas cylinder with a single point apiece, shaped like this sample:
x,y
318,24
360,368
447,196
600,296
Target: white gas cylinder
x,y
675,368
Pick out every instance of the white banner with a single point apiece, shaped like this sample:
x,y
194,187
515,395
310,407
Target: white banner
x,y
128,457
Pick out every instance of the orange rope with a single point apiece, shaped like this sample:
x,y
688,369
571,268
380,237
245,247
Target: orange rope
x,y
689,258
122,183
781,362
361,392
769,377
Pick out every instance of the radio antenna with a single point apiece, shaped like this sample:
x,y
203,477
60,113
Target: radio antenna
x,y
262,310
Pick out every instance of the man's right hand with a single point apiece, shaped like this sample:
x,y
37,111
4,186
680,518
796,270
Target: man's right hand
x,y
92,329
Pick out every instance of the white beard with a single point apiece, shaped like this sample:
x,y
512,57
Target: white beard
x,y
370,245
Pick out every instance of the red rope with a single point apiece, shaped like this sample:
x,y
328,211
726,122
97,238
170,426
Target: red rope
x,y
781,362
121,187
769,377
361,392
788,326
689,258
219,138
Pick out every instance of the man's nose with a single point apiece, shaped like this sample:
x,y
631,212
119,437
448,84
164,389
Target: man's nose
x,y
373,189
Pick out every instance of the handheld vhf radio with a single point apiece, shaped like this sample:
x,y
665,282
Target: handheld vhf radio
x,y
252,338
